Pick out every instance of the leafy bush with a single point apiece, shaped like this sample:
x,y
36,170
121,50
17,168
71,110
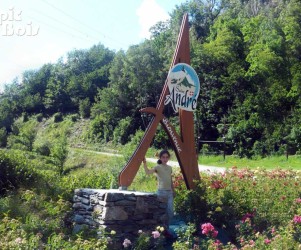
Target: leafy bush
x,y
42,148
15,171
74,117
123,130
25,117
84,108
24,135
16,142
3,137
190,204
39,117
17,237
161,139
59,152
58,117
97,129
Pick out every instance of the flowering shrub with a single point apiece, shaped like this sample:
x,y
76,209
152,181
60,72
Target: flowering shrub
x,y
15,236
209,230
255,208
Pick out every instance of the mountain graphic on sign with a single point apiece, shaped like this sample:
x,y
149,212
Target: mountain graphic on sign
x,y
181,79
185,83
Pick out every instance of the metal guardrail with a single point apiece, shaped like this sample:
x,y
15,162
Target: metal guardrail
x,y
223,142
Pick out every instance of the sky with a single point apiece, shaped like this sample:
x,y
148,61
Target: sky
x,y
35,32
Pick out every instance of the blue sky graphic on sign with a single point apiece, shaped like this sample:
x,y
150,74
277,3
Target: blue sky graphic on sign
x,y
184,88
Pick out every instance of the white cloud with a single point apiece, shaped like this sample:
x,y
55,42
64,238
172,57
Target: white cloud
x,y
149,13
21,58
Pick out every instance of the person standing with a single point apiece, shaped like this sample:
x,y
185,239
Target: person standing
x,y
165,186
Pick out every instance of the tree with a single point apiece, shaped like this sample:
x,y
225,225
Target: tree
x,y
59,152
84,108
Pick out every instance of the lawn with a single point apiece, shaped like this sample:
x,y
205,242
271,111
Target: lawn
x,y
271,162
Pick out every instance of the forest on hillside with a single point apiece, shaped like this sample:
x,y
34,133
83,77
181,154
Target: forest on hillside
x,y
247,54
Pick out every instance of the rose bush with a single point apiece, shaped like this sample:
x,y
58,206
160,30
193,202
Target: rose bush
x,y
253,208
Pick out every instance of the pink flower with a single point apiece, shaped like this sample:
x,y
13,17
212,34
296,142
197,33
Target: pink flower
x,y
126,243
267,241
209,230
214,233
298,200
156,234
252,243
247,216
217,184
297,219
273,230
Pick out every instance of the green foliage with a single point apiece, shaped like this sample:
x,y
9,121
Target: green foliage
x,y
246,54
16,237
190,203
3,137
98,129
39,117
16,171
123,130
84,108
185,237
24,135
143,242
161,139
58,117
74,117
129,147
25,117
59,152
42,148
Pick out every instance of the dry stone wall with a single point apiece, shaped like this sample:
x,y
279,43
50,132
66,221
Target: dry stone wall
x,y
125,212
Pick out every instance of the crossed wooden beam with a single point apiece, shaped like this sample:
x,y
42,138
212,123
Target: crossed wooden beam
x,y
183,144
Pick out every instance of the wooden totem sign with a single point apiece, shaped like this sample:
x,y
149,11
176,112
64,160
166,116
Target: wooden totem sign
x,y
181,89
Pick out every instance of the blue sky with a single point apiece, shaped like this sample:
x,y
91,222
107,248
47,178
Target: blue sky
x,y
35,32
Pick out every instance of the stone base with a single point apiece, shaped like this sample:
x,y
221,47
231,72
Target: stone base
x,y
125,212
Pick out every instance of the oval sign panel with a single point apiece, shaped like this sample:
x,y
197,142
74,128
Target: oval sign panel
x,y
184,87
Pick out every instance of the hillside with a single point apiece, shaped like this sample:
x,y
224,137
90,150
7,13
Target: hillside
x,y
247,56
56,119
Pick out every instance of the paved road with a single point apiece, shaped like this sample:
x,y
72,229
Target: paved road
x,y
202,168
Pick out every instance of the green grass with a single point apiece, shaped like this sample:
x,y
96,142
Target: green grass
x,y
271,162
144,182
80,160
